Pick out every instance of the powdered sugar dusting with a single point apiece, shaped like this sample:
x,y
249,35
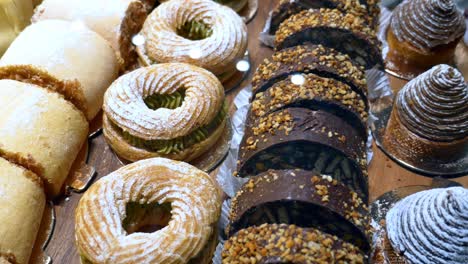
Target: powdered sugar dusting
x,y
431,226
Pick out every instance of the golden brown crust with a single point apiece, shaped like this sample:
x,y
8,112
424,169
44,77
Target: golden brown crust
x,y
71,90
132,153
35,171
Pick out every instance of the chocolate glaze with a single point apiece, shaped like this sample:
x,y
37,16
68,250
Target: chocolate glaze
x,y
304,138
332,29
315,93
304,199
315,59
287,8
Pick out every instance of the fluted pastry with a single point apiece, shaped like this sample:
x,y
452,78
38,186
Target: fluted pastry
x,y
423,33
344,32
117,21
431,226
43,129
66,52
172,110
22,203
199,32
177,196
429,120
273,243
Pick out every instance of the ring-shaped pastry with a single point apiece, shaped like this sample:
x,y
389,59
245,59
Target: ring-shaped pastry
x,y
173,110
199,32
110,214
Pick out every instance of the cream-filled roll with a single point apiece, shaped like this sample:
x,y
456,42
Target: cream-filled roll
x,y
22,203
69,51
43,129
115,20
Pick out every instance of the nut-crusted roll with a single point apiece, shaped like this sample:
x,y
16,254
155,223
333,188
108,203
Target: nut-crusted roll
x,y
67,51
22,203
151,211
345,33
172,110
287,8
273,243
43,129
429,120
314,92
199,32
304,199
117,21
319,60
307,139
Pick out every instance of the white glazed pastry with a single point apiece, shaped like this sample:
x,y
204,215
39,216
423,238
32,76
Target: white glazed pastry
x,y
68,51
117,21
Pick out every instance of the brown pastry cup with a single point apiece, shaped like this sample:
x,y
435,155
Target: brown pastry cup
x,y
405,59
414,149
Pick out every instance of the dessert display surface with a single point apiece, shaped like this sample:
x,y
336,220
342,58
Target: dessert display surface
x,y
349,99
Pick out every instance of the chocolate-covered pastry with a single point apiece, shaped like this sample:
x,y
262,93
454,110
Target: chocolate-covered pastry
x,y
287,8
346,33
429,120
307,139
315,59
288,244
304,199
313,92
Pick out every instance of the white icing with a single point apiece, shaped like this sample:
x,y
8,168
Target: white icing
x,y
431,226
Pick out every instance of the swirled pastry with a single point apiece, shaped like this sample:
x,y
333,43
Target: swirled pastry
x,y
117,21
42,129
67,54
199,32
173,110
431,226
430,117
22,203
423,33
113,214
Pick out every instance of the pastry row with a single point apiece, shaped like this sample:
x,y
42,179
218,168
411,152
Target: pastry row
x,y
304,147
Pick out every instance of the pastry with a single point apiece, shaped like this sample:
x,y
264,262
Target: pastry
x,y
199,32
171,110
273,243
423,33
304,199
307,139
345,33
429,120
117,21
315,59
14,16
314,92
182,202
22,203
43,129
76,54
430,226
287,8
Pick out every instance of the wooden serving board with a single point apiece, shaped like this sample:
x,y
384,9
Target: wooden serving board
x,y
384,174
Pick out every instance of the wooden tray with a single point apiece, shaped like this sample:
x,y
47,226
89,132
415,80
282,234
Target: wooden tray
x,y
385,175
